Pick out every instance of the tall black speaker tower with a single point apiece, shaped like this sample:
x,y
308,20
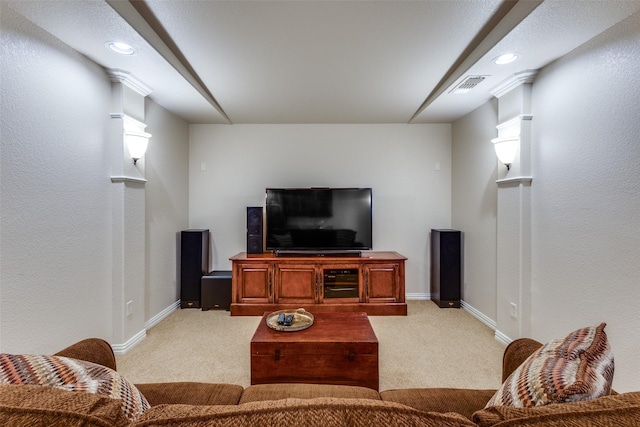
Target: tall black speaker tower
x,y
254,230
194,263
446,267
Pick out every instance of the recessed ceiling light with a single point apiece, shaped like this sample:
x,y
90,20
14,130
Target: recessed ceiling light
x,y
506,58
121,47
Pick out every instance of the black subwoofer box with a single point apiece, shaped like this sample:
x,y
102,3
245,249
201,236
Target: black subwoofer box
x,y
446,267
194,263
216,290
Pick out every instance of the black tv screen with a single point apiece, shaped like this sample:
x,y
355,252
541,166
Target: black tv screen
x,y
318,219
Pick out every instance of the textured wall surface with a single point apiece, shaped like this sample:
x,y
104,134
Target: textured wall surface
x,y
167,202
585,199
586,195
55,235
68,235
473,210
398,161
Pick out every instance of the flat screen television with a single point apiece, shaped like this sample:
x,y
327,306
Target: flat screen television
x,y
318,219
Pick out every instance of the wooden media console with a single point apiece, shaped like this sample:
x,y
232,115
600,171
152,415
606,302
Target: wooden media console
x,y
372,283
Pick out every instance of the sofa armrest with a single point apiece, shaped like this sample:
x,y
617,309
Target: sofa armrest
x,y
517,352
191,393
94,350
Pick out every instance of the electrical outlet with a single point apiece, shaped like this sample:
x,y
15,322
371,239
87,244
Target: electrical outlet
x,y
514,310
129,308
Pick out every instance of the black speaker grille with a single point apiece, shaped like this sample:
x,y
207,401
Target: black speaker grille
x,y
194,263
254,230
446,267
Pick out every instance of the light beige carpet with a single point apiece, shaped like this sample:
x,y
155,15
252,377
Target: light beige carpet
x,y
431,347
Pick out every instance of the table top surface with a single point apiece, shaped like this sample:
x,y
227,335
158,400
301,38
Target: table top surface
x,y
367,256
338,327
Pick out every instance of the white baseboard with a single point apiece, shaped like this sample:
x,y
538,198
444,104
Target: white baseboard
x,y
469,309
465,306
479,315
417,296
137,338
160,316
132,342
500,337
472,311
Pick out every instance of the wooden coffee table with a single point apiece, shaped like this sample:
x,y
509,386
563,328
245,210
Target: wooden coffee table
x,y
339,348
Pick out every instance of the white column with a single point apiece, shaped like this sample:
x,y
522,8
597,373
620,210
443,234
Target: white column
x,y
513,270
128,213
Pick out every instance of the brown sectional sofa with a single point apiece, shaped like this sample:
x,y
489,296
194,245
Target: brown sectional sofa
x,y
199,404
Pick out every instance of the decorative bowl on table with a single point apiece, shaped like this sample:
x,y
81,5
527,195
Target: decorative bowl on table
x,y
290,320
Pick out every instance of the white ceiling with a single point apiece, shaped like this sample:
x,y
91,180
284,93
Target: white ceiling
x,y
322,61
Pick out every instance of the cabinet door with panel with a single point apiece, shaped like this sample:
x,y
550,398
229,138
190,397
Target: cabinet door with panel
x,y
296,283
254,283
381,283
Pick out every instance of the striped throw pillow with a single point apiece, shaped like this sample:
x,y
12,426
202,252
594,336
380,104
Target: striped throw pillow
x,y
73,375
575,368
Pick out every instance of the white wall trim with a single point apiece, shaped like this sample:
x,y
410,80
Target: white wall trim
x,y
129,80
514,121
132,342
479,315
417,296
124,178
161,316
522,77
137,338
502,338
516,180
130,122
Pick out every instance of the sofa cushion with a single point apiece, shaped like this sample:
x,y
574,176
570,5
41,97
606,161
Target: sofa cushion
x,y
576,367
462,401
319,412
256,393
31,405
621,410
191,393
72,375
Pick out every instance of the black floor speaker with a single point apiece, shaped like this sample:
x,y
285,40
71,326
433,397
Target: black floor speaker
x,y
446,267
254,230
216,290
194,263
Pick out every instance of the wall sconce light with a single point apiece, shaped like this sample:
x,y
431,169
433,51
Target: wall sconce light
x,y
506,149
137,143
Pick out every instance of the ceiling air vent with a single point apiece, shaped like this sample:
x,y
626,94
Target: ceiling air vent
x,y
467,84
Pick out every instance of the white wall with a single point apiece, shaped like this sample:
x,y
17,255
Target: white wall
x,y
167,201
58,215
474,193
586,195
397,161
55,235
